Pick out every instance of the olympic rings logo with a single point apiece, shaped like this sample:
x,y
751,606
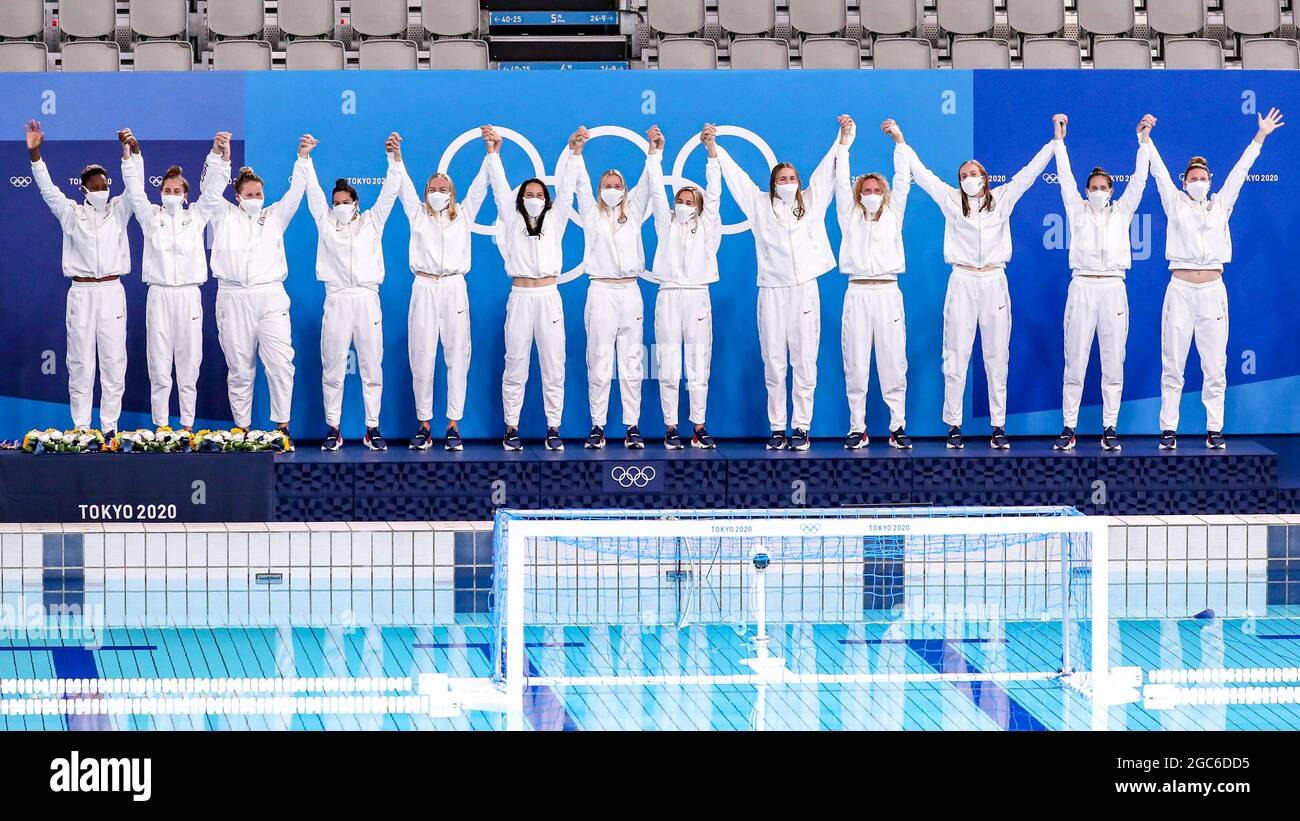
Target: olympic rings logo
x,y
810,527
20,182
634,476
1050,179
675,179
155,181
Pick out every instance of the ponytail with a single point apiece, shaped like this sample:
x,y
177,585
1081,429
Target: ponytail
x,y
246,175
341,184
174,173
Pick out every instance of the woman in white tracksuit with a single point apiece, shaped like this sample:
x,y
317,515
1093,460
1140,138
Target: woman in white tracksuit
x,y
977,244
685,264
350,261
174,265
530,235
250,267
440,248
95,258
871,256
1198,244
1097,304
614,259
793,250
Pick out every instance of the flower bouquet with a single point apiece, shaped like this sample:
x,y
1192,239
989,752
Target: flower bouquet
x,y
52,440
163,440
238,440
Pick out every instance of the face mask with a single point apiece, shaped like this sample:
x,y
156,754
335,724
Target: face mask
x,y
786,191
1198,189
343,213
172,202
611,196
683,213
534,206
871,202
438,200
1099,199
250,206
97,199
972,186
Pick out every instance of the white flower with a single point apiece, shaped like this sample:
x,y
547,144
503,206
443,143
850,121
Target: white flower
x,y
55,436
145,435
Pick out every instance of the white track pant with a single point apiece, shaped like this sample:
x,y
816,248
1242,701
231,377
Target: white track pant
x,y
253,323
789,328
534,315
615,330
1197,312
873,318
352,318
173,321
683,328
1096,306
976,301
439,313
96,324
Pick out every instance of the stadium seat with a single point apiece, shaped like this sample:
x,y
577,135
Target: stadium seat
x,y
1121,52
163,55
315,55
88,18
965,16
452,18
458,54
388,55
818,16
160,18
760,53
91,55
675,16
830,52
981,52
688,53
1036,16
1193,52
236,18
1105,16
1050,52
890,16
1254,17
1271,53
747,16
23,56
1176,16
380,18
307,18
902,53
22,18
241,55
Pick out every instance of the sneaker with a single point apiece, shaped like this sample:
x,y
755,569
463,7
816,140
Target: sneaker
x,y
511,441
554,442
899,439
595,439
1168,441
778,440
288,440
855,441
333,440
672,440
633,438
999,440
702,439
800,441
1109,439
954,438
452,440
374,439
421,440
1214,440
1066,440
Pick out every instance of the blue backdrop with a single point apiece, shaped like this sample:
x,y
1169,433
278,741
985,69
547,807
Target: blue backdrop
x,y
1000,117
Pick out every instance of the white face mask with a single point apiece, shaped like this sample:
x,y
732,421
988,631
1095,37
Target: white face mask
x,y
438,200
1099,199
97,199
973,186
1198,189
786,191
534,206
871,202
611,196
683,213
344,213
251,207
172,202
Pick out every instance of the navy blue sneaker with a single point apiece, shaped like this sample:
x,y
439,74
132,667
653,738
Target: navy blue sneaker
x,y
633,439
800,441
673,440
553,440
702,439
855,441
333,440
422,439
1066,440
374,439
999,440
899,439
452,440
1168,440
954,438
1214,440
595,439
1110,439
778,441
511,441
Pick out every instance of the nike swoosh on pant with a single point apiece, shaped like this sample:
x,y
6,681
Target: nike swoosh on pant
x,y
461,311
805,313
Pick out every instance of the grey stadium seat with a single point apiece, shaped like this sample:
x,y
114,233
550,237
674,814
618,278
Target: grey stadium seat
x,y
1036,16
88,18
747,16
759,53
22,18
452,18
1106,16
91,55
24,56
241,55
688,53
890,16
965,16
830,52
1176,16
1121,52
458,54
1050,52
388,55
1271,53
675,16
818,16
981,52
307,18
379,18
1252,16
160,18
902,53
314,55
163,55
236,18
1193,52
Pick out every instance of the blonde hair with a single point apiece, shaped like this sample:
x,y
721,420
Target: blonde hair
x,y
857,195
451,189
699,202
600,203
988,195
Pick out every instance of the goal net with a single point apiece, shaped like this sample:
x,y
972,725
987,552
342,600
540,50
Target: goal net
x,y
986,600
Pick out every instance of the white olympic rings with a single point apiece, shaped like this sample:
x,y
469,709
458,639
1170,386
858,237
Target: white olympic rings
x,y
635,476
20,182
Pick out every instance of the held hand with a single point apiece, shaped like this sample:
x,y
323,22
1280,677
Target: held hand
x,y
305,145
1059,123
847,129
891,128
1268,123
1144,128
491,140
35,136
221,145
656,139
129,142
578,139
393,145
709,136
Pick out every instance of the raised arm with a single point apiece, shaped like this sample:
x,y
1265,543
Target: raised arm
x,y
303,171
843,185
473,199
566,181
572,161
214,178
1160,173
59,204
654,181
501,190
133,178
412,202
821,185
638,199
1237,177
713,201
392,181
317,204
1065,178
1137,184
1006,196
743,190
901,188
939,191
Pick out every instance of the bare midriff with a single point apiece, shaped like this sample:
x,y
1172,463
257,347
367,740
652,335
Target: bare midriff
x,y
1197,276
530,282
